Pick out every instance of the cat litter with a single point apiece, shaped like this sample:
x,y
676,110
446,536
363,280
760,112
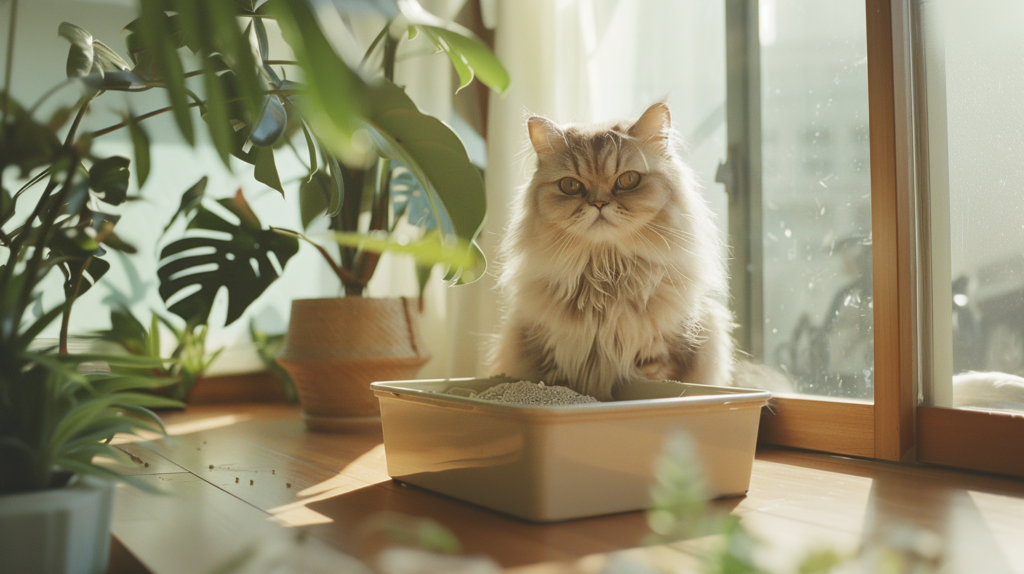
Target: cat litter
x,y
527,393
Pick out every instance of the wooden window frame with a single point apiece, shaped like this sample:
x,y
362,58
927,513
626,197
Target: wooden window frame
x,y
964,438
906,305
883,429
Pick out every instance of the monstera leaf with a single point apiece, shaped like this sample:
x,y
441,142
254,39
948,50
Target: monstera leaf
x,y
237,257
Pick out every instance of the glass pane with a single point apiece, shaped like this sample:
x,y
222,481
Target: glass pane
x,y
975,82
816,195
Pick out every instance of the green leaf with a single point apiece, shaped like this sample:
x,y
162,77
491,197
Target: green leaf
x,y
26,143
140,142
408,198
33,331
107,60
344,194
145,415
94,61
469,54
266,169
83,414
270,124
125,330
78,195
88,447
435,155
109,177
190,202
55,365
235,47
109,384
85,468
80,56
217,117
154,29
94,272
152,337
257,33
335,95
120,360
430,250
81,252
310,146
241,264
215,109
315,197
820,562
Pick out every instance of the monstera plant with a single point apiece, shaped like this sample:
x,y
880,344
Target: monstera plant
x,y
385,175
402,166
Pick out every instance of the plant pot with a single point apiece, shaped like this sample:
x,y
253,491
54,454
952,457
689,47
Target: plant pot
x,y
336,347
60,530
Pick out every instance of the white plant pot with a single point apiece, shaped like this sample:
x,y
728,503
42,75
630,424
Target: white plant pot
x,y
61,530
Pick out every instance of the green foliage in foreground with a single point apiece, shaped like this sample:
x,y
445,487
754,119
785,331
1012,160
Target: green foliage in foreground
x,y
55,418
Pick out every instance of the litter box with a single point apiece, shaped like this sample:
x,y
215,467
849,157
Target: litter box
x,y
551,463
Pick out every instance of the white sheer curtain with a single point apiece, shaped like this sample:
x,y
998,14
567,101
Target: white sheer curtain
x,y
588,60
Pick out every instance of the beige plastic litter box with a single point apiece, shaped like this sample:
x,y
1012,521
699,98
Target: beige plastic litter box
x,y
550,463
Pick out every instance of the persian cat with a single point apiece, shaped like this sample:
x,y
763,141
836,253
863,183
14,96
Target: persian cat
x,y
612,268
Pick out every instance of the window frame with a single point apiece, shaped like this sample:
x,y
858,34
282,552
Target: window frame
x,y
964,438
906,306
883,429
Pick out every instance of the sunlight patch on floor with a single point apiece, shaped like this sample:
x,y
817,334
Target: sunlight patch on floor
x,y
184,427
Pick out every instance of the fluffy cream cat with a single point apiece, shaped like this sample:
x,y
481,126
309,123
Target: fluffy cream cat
x,y
612,269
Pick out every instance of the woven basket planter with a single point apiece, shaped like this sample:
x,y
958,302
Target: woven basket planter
x,y
337,347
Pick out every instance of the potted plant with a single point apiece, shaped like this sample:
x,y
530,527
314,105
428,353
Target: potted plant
x,y
187,361
59,411
387,177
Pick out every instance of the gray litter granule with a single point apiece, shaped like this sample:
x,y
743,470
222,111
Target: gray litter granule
x,y
529,393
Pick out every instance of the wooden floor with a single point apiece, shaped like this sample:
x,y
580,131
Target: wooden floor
x,y
251,481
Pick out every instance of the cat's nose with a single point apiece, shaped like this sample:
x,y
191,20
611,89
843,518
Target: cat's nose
x,y
599,204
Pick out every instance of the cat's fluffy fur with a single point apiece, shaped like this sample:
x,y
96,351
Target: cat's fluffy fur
x,y
606,286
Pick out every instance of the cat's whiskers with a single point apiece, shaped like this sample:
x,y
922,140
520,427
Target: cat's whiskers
x,y
684,236
673,231
543,238
672,244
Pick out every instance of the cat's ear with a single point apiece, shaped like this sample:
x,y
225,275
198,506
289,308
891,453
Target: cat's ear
x,y
654,125
544,134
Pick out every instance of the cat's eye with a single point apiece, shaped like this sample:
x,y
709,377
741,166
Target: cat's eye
x,y
628,180
570,185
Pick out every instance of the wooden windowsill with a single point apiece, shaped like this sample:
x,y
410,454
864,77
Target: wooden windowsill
x,y
798,502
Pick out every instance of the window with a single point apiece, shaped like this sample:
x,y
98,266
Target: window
x,y
801,217
937,163
970,81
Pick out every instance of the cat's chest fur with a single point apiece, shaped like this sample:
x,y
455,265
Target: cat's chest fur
x,y
604,314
